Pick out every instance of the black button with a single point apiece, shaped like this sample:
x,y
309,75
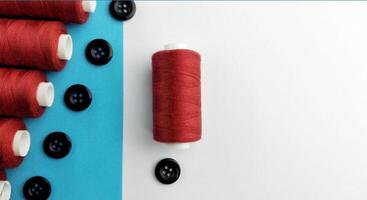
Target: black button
x,y
167,171
78,97
57,145
37,188
99,52
122,9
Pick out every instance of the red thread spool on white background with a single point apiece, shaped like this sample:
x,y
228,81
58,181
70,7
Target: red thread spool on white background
x,y
43,45
75,11
176,96
24,93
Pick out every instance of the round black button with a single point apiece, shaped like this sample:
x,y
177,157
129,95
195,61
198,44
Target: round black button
x,y
57,145
167,171
37,188
99,52
78,97
122,9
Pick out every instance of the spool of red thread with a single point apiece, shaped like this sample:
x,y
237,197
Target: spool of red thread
x,y
176,95
5,187
14,142
24,93
43,45
75,11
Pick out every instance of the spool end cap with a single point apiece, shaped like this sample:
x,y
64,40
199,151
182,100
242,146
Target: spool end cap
x,y
21,143
181,146
5,190
89,6
173,46
45,94
65,47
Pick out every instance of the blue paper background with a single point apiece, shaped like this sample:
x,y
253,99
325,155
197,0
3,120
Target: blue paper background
x,y
93,169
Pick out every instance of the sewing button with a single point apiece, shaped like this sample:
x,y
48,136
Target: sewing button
x,y
78,97
57,145
167,171
122,9
37,188
99,52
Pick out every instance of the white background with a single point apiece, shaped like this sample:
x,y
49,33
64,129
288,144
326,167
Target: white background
x,y
284,88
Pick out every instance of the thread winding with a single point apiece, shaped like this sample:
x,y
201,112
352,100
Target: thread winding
x,y
31,44
8,129
61,10
2,175
176,96
18,92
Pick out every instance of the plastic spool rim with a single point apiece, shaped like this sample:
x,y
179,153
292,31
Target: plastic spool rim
x,y
45,94
21,143
186,145
65,47
5,190
173,46
89,5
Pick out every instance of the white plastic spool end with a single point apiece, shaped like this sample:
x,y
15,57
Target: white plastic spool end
x,y
21,143
173,46
180,146
5,190
65,47
45,94
89,6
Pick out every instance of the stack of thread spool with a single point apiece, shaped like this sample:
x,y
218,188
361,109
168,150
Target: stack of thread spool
x,y
33,39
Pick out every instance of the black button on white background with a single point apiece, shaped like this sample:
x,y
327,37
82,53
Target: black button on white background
x,y
57,145
122,9
99,52
167,171
78,97
37,188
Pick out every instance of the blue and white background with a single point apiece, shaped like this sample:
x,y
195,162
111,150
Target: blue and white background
x,y
284,105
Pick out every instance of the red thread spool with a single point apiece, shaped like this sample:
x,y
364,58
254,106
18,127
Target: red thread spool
x,y
5,187
75,11
34,44
14,142
176,95
2,175
24,93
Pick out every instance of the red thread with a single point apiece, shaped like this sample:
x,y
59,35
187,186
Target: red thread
x,y
18,92
31,44
8,129
61,10
176,96
2,175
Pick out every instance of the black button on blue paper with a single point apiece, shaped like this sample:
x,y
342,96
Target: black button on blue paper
x,y
99,52
78,97
37,188
122,9
57,145
167,171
